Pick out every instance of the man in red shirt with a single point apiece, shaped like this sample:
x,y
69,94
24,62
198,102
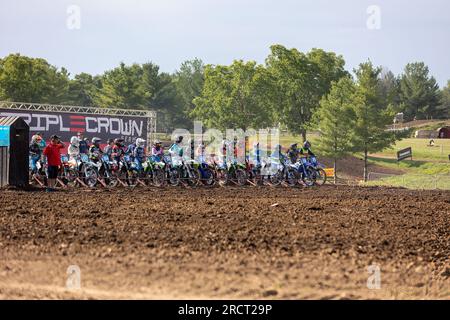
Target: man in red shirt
x,y
53,153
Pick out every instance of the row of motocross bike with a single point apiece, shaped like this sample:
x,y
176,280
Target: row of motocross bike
x,y
105,172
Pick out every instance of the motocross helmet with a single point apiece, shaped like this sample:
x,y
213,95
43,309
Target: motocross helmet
x,y
294,146
96,141
118,142
156,142
36,138
75,141
306,144
140,142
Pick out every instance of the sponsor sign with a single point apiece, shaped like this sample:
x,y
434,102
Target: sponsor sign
x,y
66,124
404,154
4,136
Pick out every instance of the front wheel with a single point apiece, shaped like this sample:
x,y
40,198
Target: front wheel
x,y
174,177
90,176
208,176
222,177
276,178
158,177
292,177
320,176
241,177
308,176
193,177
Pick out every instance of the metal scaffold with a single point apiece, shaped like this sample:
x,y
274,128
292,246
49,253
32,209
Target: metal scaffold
x,y
150,115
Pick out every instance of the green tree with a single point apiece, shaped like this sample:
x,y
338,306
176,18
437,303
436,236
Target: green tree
x,y
122,87
27,79
419,92
335,117
300,81
389,89
234,96
369,132
445,102
189,82
83,89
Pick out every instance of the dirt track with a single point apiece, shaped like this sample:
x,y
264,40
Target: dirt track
x,y
226,243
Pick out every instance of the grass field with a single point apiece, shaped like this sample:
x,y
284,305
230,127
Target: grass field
x,y
421,151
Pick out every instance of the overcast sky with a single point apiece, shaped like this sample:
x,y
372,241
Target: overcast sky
x,y
168,32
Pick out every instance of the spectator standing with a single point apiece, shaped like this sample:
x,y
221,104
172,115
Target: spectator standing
x,y
53,153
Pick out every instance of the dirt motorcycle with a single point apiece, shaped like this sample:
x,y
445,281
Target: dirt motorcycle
x,y
155,171
283,172
258,174
305,172
233,172
207,172
69,174
107,171
320,176
88,170
185,170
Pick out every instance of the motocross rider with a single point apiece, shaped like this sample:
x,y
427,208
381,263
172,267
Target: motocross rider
x,y
74,148
118,150
293,153
139,153
176,150
95,150
256,155
157,151
35,152
109,147
307,149
201,155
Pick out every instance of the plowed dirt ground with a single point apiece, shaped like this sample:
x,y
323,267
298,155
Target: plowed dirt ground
x,y
275,243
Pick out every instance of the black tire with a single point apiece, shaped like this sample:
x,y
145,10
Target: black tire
x,y
209,179
320,176
276,179
132,177
174,177
308,178
158,177
241,177
90,176
222,176
193,177
292,177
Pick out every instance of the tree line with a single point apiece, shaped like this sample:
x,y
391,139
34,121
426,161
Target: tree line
x,y
285,90
292,90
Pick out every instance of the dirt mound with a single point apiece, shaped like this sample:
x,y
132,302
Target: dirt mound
x,y
352,168
225,243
